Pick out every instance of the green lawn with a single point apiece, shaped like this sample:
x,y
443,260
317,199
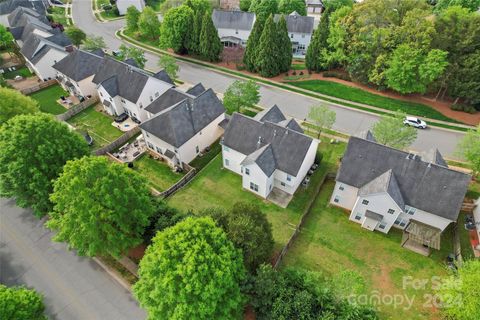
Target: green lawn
x,y
47,99
98,125
155,4
215,186
58,15
23,71
330,243
358,95
298,66
200,162
158,174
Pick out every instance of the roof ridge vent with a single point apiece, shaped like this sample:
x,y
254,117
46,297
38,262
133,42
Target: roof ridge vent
x,y
259,142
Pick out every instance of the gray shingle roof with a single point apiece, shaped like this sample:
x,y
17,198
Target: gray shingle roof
x,y
129,82
434,156
264,158
289,147
16,15
291,124
61,39
169,98
179,123
79,65
423,185
163,75
297,23
111,86
9,6
386,182
196,89
237,20
272,114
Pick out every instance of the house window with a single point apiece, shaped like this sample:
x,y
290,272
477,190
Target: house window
x,y
289,178
140,105
382,226
336,199
146,133
197,149
409,210
247,171
341,188
253,187
150,145
301,47
123,100
225,148
151,99
291,36
101,95
227,162
158,149
391,211
110,99
282,183
365,202
397,221
358,216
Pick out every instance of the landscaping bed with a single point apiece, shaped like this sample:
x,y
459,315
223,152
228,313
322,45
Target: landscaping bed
x,y
23,72
47,99
330,243
98,125
200,162
158,174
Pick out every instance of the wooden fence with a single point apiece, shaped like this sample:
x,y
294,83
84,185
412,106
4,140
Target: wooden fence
x,y
179,184
38,87
77,109
302,221
118,142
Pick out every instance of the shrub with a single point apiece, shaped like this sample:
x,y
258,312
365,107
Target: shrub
x,y
338,75
294,73
301,73
464,108
240,67
107,7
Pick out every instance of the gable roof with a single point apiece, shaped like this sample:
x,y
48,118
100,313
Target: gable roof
x,y
386,182
238,20
272,114
79,65
16,15
434,156
293,124
61,39
426,186
246,135
196,89
8,6
264,158
297,23
163,75
179,123
169,98
314,3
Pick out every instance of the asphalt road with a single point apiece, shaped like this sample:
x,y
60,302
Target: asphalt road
x,y
75,288
348,120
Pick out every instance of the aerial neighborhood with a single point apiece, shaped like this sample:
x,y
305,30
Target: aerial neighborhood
x,y
239,159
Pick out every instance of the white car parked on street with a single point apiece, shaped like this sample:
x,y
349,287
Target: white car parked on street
x,y
415,122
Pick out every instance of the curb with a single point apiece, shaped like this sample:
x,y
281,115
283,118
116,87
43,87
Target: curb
x,y
119,35
112,273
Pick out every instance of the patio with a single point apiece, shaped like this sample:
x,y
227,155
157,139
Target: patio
x,y
126,125
131,151
68,101
280,197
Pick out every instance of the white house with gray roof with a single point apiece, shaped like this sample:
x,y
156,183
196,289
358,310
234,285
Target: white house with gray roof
x,y
269,151
124,88
233,27
300,29
123,5
314,6
182,124
385,187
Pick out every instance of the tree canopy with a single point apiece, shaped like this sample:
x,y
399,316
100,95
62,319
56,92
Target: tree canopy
x,y
391,131
6,38
148,23
241,94
34,150
471,5
264,7
210,45
191,271
266,61
76,35
289,6
131,17
100,207
134,53
176,29
20,303
284,46
249,230
249,58
315,60
469,148
15,103
169,64
93,42
323,117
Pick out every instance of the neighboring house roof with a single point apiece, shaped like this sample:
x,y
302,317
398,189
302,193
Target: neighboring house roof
x,y
273,114
297,23
61,39
247,135
169,98
79,65
386,182
314,3
128,81
163,75
237,20
36,47
131,61
264,158
292,124
98,52
179,123
8,6
196,89
16,15
423,185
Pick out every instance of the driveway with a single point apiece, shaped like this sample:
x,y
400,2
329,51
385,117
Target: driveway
x,y
75,288
349,121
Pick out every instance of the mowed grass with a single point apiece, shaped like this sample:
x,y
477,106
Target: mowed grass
x,y
47,99
155,4
358,95
215,186
98,125
158,174
329,243
58,15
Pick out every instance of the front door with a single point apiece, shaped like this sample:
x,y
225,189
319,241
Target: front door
x,y
369,224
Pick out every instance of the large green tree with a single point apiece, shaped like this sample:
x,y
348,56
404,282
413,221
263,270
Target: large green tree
x,y
100,207
333,5
460,293
210,45
264,7
314,59
76,35
469,148
14,103
194,43
241,94
6,38
249,58
267,62
93,42
134,53
191,271
323,118
391,131
289,6
34,150
148,24
471,5
202,6
131,17
245,4
284,46
169,64
20,303
176,29
249,230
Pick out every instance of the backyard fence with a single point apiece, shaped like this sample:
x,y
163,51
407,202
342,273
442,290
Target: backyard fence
x,y
38,87
118,142
77,109
180,184
284,251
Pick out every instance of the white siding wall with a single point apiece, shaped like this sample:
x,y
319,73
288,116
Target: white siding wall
x,y
346,197
87,87
43,68
425,217
302,39
258,177
242,34
151,91
234,158
123,5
